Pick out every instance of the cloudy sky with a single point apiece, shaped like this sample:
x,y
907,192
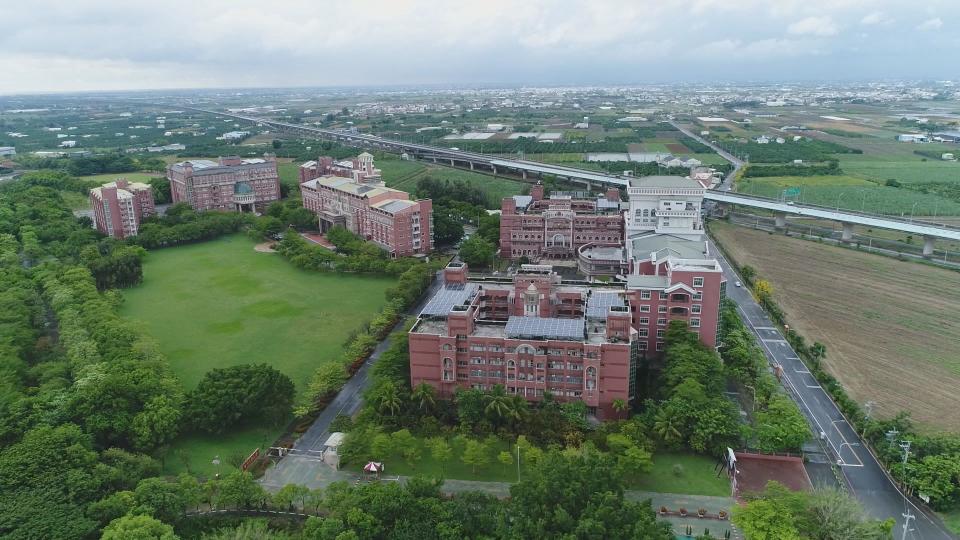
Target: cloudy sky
x,y
74,45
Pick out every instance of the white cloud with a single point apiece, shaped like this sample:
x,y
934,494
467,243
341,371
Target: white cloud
x,y
876,18
814,26
931,24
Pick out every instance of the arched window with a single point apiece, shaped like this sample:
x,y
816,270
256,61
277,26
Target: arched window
x,y
447,347
591,378
447,362
526,349
511,363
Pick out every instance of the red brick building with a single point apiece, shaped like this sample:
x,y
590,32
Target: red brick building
x,y
119,206
380,214
535,226
232,183
359,169
531,335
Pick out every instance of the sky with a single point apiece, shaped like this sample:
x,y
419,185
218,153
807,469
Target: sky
x,y
87,45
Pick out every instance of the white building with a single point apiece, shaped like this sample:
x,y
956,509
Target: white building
x,y
665,205
763,139
7,151
913,138
68,144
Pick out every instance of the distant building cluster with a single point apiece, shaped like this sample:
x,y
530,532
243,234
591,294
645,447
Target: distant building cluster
x,y
535,334
232,183
351,194
118,207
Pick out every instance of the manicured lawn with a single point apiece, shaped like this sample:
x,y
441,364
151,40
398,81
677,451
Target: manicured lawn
x,y
696,476
200,449
455,468
220,303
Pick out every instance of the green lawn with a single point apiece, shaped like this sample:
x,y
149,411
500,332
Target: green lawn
x,y
404,175
289,175
455,468
697,476
220,303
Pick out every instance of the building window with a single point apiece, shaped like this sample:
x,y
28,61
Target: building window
x,y
660,346
698,282
661,309
644,295
643,332
644,309
694,323
642,345
644,320
697,296
695,308
661,322
661,332
664,295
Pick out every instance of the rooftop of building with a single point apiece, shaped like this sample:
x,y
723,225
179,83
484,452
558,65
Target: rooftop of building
x,y
204,166
664,245
664,182
392,206
347,185
124,192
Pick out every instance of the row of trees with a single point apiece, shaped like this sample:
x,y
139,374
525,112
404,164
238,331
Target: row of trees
x,y
829,167
805,149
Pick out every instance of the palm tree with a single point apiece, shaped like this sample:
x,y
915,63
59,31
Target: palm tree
x,y
619,405
666,425
499,404
425,396
389,399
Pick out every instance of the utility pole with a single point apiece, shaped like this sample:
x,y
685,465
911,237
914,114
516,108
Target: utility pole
x,y
907,517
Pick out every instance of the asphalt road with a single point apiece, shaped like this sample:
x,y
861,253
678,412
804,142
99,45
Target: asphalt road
x,y
866,478
303,460
737,163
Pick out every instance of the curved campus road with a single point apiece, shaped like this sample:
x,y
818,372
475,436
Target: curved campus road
x,y
864,475
302,462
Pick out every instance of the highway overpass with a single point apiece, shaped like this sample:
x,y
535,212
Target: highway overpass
x,y
523,168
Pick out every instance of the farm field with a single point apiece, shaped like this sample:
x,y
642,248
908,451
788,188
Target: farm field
x,y
888,325
220,303
404,175
851,192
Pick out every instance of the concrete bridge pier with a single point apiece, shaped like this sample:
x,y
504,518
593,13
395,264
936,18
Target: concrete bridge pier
x,y
494,170
928,246
451,162
847,235
471,165
523,173
780,220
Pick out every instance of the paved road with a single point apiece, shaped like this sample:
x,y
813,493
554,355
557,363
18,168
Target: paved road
x,y
302,464
866,478
736,162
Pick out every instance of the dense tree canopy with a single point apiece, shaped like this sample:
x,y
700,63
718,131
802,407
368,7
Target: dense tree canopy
x,y
229,396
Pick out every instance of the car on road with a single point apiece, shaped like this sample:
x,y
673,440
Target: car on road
x,y
738,284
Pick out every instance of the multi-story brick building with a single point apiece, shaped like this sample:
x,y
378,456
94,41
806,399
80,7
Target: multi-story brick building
x,y
380,214
535,226
232,183
532,335
360,169
539,334
119,206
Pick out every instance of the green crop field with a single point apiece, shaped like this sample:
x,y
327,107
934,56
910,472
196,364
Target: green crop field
x,y
220,303
852,193
913,171
405,175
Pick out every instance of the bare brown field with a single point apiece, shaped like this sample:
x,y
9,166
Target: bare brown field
x,y
892,328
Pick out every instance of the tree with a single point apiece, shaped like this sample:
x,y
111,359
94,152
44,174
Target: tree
x,y
477,252
228,396
762,291
780,427
138,528
111,507
163,500
506,458
748,273
619,406
446,230
381,445
425,396
476,454
764,519
241,490
499,406
440,451
405,443
291,496
388,398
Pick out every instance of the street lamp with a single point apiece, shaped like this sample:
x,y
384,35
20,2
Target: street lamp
x,y
838,201
216,463
863,202
911,211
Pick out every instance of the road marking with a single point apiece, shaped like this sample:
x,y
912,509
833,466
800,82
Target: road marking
x,y
847,444
775,340
814,386
765,327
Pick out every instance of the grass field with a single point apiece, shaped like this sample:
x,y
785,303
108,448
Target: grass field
x,y
130,176
696,475
890,326
852,193
405,175
220,303
951,519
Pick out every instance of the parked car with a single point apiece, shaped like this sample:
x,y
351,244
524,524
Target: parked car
x,y
738,284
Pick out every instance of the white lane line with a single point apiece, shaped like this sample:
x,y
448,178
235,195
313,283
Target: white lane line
x,y
774,340
765,327
847,444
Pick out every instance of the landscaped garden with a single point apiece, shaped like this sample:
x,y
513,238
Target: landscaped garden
x,y
220,303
